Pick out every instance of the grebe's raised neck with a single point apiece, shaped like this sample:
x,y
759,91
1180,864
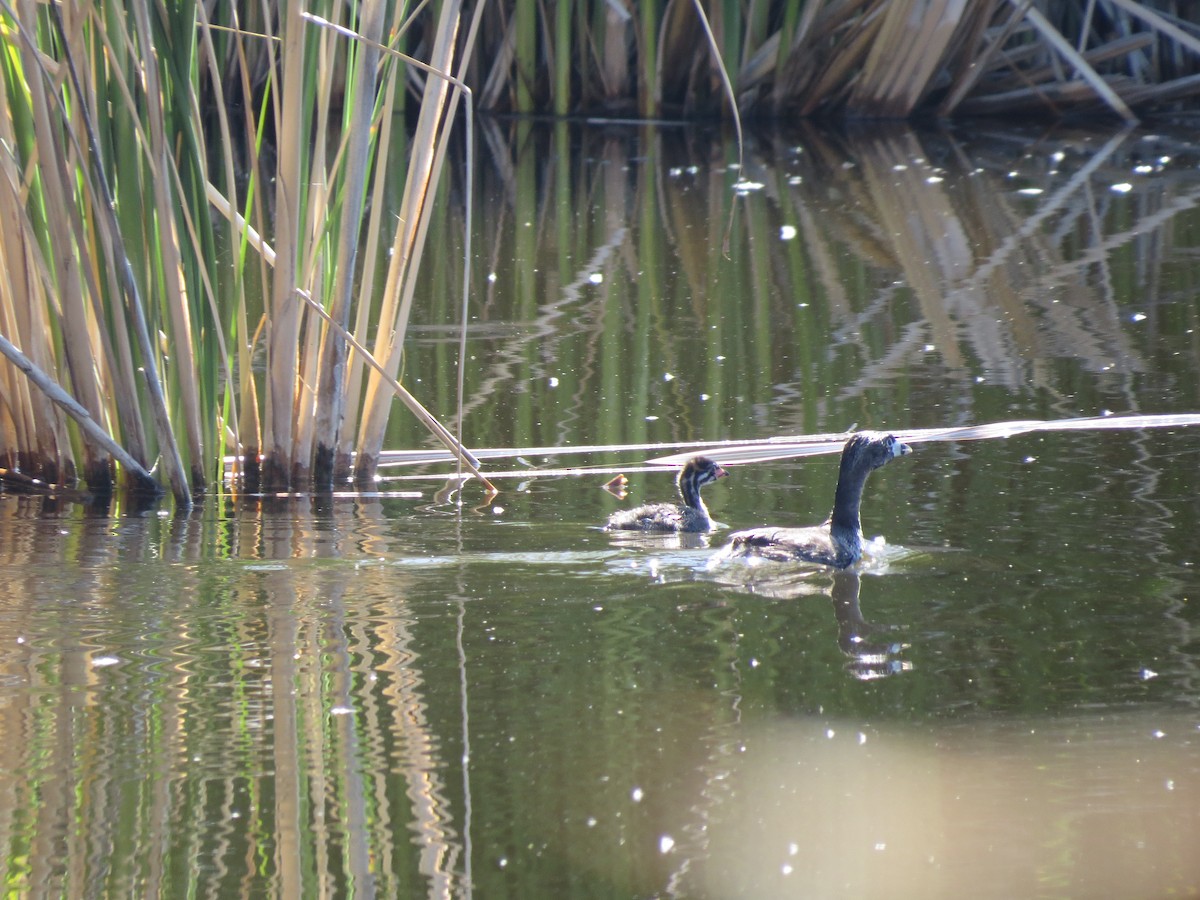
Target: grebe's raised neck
x,y
838,541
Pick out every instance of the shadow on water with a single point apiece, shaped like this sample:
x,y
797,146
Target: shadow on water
x,y
392,694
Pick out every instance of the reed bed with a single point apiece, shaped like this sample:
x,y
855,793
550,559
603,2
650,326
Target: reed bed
x,y
179,188
216,214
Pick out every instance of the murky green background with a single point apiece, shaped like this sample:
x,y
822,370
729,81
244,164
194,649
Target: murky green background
x,y
395,696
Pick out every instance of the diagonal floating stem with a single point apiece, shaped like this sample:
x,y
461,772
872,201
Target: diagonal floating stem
x,y
76,411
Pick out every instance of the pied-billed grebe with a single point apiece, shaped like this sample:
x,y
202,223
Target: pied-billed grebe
x,y
838,541
692,515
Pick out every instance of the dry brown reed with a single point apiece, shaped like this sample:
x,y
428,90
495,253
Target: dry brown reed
x,y
858,58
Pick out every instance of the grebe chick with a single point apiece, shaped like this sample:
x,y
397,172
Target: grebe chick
x,y
838,541
691,515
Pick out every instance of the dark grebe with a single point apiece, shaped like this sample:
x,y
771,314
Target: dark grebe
x,y
838,541
692,515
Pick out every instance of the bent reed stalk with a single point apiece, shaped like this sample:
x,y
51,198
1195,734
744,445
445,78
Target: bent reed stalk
x,y
120,294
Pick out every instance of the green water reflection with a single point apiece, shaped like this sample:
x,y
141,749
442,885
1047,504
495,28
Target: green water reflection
x,y
388,696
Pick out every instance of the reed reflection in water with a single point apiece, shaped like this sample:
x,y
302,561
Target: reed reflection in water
x,y
900,277
392,695
195,691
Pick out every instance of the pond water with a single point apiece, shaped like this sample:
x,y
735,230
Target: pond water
x,y
396,695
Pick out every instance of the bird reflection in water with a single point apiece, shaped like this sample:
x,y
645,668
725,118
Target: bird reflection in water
x,y
870,654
